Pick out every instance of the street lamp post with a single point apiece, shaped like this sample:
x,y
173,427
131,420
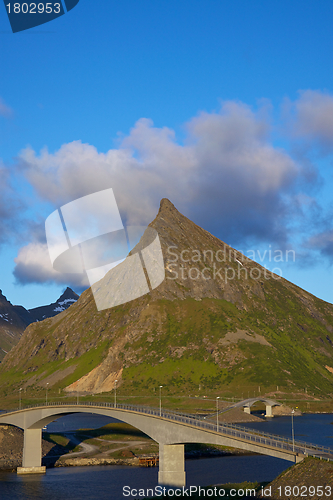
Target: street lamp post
x,y
47,386
77,395
115,393
20,398
292,428
161,400
217,412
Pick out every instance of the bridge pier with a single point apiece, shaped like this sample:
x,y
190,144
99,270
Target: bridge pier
x,y
269,412
171,465
247,409
32,453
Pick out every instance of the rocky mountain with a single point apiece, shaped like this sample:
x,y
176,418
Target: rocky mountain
x,y
218,320
15,319
68,298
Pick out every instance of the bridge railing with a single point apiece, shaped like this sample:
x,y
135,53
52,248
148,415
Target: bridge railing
x,y
227,429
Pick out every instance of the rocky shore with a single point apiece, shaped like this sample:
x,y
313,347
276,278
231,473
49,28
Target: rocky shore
x,y
11,447
83,462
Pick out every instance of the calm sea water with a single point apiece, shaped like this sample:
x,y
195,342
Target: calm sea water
x,y
311,428
106,483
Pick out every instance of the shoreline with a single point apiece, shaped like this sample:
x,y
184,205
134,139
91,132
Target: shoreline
x,y
128,462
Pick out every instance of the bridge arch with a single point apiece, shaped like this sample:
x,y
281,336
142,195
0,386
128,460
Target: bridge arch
x,y
171,445
269,404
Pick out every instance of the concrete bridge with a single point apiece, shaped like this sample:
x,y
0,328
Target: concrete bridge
x,y
247,403
170,429
269,403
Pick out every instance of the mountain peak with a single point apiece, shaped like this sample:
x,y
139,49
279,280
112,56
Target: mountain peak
x,y
68,294
166,205
68,298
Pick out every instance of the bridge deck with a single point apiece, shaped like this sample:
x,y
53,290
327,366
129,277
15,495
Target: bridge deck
x,y
238,433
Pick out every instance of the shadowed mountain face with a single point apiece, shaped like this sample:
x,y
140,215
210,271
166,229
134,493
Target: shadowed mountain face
x,y
68,298
15,319
217,320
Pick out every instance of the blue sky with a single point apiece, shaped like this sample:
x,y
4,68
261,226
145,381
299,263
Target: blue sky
x,y
225,107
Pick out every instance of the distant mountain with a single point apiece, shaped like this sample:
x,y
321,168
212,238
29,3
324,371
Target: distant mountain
x,y
15,319
219,321
68,298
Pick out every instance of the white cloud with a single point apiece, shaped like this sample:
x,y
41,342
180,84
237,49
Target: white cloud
x,y
310,117
147,165
236,143
33,265
229,147
227,176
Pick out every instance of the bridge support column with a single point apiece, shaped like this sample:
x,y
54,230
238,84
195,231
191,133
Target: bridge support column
x,y
32,453
269,412
171,465
247,409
